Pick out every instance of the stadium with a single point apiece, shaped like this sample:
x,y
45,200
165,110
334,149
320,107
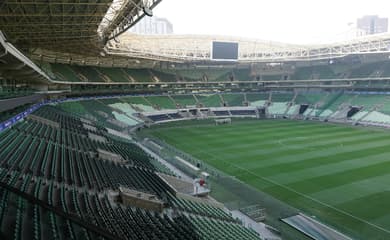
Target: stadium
x,y
107,134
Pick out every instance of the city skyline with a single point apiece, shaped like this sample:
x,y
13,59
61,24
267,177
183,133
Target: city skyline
x,y
153,25
372,24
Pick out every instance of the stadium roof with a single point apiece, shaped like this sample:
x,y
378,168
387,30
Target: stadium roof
x,y
68,26
183,48
15,66
132,50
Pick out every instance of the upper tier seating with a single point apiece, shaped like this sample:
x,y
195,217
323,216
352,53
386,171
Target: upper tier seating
x,y
138,75
115,74
233,99
184,100
282,97
163,77
76,73
314,72
209,100
162,102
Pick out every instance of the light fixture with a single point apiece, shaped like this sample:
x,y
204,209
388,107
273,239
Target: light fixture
x,y
147,11
142,5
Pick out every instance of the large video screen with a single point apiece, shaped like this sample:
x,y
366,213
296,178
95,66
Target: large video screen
x,y
225,51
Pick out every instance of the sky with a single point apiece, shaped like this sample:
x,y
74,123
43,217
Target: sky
x,y
288,21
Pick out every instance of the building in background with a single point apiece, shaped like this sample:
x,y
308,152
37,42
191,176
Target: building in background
x,y
153,25
371,24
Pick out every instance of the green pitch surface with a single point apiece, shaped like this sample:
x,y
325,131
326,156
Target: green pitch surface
x,y
338,173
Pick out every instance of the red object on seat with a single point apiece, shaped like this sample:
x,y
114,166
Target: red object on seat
x,y
202,182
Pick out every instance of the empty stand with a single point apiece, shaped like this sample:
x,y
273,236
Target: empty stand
x,y
58,166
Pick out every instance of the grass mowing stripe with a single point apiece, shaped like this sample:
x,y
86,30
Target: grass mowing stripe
x,y
259,162
264,151
261,133
294,175
382,221
375,208
355,190
309,162
335,179
264,143
186,131
329,154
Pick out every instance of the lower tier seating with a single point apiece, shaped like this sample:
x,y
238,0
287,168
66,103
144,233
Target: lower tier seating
x,y
55,185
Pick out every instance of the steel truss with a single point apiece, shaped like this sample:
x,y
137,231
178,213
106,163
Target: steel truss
x,y
187,48
68,26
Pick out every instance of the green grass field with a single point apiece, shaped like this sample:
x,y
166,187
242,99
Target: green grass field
x,y
338,173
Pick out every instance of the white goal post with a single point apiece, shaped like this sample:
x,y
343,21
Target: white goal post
x,y
223,121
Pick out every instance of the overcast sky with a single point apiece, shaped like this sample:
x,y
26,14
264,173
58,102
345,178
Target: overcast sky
x,y
290,21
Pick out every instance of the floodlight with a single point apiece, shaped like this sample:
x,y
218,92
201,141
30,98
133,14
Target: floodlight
x,y
147,11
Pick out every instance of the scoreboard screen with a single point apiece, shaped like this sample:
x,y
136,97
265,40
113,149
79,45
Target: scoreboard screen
x,y
224,51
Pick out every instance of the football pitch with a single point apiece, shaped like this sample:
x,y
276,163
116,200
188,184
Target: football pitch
x,y
338,173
